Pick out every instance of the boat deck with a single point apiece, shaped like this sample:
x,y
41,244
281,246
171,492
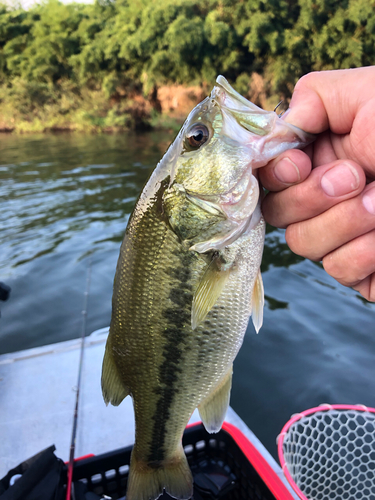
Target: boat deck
x,y
37,400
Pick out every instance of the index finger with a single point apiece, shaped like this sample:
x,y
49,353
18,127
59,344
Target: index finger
x,y
330,99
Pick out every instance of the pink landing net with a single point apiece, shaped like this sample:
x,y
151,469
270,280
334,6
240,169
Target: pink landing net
x,y
328,452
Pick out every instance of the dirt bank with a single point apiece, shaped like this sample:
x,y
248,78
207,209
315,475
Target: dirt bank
x,y
73,109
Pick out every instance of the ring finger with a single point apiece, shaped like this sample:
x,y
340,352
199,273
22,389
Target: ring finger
x,y
325,187
316,237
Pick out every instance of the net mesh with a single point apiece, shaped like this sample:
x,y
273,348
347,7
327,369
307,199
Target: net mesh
x,y
331,455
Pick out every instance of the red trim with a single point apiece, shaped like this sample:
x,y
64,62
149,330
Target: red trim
x,y
70,474
89,455
194,424
69,483
260,464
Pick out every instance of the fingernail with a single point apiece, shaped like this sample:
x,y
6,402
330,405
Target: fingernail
x,y
368,201
340,180
286,171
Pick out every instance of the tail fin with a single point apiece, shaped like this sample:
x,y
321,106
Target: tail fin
x,y
147,483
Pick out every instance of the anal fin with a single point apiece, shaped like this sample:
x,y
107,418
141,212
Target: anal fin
x,y
213,409
113,388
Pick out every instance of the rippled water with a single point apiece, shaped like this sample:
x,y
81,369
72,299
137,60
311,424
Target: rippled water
x,y
65,202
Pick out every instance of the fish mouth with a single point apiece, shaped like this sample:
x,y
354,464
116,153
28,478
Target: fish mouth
x,y
225,95
243,121
253,119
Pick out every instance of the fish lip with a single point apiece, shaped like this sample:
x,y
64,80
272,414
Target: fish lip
x,y
223,91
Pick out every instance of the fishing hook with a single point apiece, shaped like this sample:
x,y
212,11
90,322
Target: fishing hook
x,y
281,114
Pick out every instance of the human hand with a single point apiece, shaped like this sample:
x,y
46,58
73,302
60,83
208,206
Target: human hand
x,y
325,195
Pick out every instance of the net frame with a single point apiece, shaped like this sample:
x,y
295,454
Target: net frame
x,y
288,432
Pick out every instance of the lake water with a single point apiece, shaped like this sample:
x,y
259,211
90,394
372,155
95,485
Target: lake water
x,y
65,203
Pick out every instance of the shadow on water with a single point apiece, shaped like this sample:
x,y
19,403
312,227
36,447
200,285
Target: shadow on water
x,y
276,251
67,197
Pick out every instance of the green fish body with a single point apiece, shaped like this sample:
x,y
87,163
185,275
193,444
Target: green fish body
x,y
187,281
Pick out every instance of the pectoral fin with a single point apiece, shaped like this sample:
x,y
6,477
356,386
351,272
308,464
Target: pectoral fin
x,y
208,291
113,388
257,302
214,408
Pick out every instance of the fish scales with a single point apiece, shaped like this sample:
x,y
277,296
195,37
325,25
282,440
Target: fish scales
x,y
179,357
186,283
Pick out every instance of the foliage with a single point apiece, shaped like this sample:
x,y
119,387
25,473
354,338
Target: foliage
x,y
39,106
123,48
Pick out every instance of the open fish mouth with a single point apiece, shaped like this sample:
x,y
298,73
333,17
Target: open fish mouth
x,y
225,95
254,121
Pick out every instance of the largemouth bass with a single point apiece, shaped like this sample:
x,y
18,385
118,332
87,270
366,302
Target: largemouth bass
x,y
187,281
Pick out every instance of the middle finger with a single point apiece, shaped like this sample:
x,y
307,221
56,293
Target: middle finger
x,y
325,187
317,237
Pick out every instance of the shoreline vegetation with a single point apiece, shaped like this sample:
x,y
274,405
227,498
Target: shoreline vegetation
x,y
116,65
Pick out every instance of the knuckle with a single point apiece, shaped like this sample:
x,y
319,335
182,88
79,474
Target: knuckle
x,y
267,209
353,264
332,267
265,175
344,267
371,294
301,198
306,81
271,210
295,238
367,288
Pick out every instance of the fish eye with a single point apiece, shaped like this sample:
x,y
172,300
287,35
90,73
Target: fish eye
x,y
197,135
